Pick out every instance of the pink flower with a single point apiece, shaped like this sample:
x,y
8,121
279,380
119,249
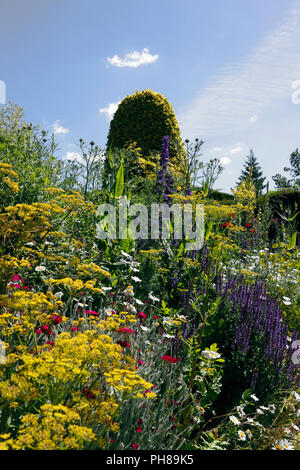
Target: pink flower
x,y
138,429
135,446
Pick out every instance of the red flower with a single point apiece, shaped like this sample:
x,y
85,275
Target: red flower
x,y
155,317
138,429
135,446
142,315
125,330
50,342
88,393
56,319
124,344
139,421
91,312
253,230
248,225
45,328
38,331
74,328
170,359
140,362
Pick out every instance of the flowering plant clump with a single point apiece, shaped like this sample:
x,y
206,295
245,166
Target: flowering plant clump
x,y
124,344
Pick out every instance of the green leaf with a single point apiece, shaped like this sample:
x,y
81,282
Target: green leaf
x,y
293,241
119,184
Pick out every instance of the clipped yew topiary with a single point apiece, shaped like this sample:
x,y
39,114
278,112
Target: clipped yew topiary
x,y
144,118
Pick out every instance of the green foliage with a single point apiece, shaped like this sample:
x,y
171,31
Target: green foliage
x,y
145,118
285,217
220,196
30,151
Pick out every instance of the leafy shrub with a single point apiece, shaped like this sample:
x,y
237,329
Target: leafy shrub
x,y
284,206
145,118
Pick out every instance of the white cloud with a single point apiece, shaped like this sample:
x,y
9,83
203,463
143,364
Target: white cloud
x,y
253,119
235,150
110,110
248,88
133,59
73,156
225,154
58,129
225,160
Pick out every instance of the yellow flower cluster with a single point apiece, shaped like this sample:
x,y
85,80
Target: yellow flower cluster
x,y
22,309
6,173
128,382
56,427
75,285
92,268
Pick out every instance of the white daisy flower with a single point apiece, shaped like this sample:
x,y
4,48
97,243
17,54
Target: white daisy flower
x,y
153,298
40,269
210,354
272,408
234,420
296,395
144,328
139,302
254,397
242,435
136,279
286,300
284,444
135,270
240,411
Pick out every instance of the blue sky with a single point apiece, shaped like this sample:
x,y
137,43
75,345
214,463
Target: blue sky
x,y
226,66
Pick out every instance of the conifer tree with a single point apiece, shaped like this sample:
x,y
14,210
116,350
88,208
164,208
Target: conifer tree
x,y
253,170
